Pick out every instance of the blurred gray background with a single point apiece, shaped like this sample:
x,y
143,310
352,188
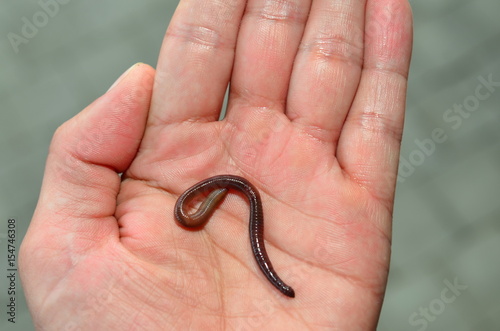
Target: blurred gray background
x,y
445,269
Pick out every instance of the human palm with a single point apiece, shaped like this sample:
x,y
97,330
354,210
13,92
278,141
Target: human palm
x,y
314,122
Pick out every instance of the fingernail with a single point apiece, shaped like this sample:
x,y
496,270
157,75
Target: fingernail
x,y
122,76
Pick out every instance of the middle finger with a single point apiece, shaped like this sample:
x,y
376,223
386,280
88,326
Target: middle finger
x,y
269,35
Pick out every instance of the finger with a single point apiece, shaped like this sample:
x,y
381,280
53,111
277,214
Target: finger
x,y
196,60
81,181
269,36
370,140
327,68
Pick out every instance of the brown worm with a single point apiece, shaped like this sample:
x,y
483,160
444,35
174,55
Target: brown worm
x,y
218,187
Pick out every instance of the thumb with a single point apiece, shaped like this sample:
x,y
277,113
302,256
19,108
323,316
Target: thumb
x,y
78,196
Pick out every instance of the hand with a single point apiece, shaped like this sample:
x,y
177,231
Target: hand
x,y
314,121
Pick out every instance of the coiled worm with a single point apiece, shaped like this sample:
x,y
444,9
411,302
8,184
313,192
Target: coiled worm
x,y
218,187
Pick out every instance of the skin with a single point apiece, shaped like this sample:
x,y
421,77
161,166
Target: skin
x,y
314,121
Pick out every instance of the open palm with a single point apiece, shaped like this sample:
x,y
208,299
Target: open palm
x,y
314,121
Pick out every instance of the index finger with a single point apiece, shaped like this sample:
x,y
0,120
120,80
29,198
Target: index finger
x,y
195,61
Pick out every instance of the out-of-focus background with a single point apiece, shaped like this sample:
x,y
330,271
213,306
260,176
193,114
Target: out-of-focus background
x,y
445,268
